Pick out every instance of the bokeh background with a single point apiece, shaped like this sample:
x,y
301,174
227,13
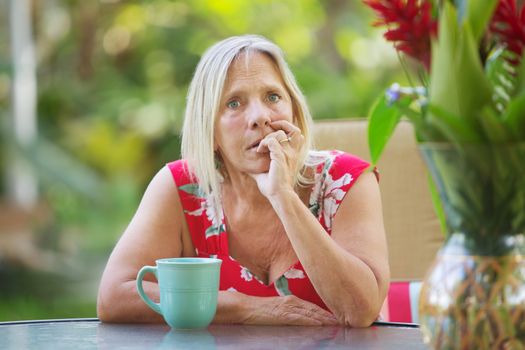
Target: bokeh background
x,y
111,78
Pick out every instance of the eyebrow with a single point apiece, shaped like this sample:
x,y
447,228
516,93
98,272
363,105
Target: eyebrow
x,y
267,87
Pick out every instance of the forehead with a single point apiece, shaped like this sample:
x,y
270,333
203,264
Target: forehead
x,y
250,66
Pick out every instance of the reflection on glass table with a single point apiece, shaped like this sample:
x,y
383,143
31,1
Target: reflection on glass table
x,y
81,334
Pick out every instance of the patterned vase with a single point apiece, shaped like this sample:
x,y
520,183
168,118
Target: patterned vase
x,y
473,296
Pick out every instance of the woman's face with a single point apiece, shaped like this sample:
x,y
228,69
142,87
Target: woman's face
x,y
254,95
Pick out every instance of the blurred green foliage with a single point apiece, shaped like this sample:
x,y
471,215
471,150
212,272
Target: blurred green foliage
x,y
112,79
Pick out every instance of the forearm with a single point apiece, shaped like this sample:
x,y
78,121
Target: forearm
x,y
234,307
346,284
231,308
122,304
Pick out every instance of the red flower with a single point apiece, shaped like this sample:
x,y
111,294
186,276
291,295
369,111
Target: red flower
x,y
410,25
508,24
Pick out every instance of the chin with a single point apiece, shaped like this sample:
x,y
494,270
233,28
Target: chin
x,y
261,166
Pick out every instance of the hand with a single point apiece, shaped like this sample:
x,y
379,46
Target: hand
x,y
283,145
288,310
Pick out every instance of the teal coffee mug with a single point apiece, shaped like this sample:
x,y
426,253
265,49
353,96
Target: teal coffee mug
x,y
189,288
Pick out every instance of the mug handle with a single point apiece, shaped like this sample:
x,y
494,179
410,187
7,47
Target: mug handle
x,y
143,271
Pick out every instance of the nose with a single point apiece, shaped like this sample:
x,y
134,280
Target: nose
x,y
258,115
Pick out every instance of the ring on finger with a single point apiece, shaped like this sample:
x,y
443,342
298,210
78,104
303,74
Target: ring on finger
x,y
287,139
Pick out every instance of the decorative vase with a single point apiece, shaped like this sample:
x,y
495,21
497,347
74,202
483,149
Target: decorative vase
x,y
473,296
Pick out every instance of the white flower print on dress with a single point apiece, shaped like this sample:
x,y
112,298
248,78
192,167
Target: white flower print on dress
x,y
294,273
214,216
316,198
246,274
231,289
327,194
333,195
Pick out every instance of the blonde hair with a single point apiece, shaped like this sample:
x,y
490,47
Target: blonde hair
x,y
203,101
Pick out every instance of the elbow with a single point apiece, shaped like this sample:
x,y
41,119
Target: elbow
x,y
103,315
105,310
361,321
364,307
358,318
359,312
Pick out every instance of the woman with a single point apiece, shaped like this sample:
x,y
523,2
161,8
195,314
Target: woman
x,y
300,232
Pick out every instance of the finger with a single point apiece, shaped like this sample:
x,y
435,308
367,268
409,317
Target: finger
x,y
287,139
293,132
280,135
321,315
276,151
278,158
286,126
328,319
275,137
314,311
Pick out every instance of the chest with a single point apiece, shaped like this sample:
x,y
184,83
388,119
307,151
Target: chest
x,y
260,244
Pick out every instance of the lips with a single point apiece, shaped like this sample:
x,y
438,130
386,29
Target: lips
x,y
255,144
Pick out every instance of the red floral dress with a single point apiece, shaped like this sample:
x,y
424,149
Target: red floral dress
x,y
209,233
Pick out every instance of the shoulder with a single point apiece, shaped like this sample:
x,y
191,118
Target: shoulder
x,y
185,184
184,178
349,161
160,199
180,172
162,184
338,163
163,187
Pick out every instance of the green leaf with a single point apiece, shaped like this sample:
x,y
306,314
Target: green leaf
x,y
474,90
436,202
520,80
423,131
443,54
461,8
382,121
457,83
476,13
515,116
502,77
452,126
479,12
495,128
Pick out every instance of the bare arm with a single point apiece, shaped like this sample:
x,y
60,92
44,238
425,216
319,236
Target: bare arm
x,y
353,275
154,232
349,270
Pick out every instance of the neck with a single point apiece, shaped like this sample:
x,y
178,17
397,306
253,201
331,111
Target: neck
x,y
241,190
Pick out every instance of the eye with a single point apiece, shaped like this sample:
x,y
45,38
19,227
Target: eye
x,y
233,104
274,97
